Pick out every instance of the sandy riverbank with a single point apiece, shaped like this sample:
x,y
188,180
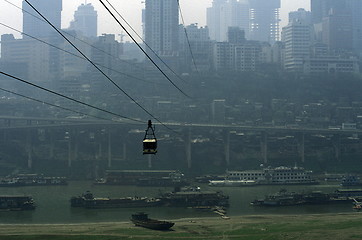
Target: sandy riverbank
x,y
309,227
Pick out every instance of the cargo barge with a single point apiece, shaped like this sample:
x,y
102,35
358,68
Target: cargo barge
x,y
16,203
152,178
194,197
284,198
87,200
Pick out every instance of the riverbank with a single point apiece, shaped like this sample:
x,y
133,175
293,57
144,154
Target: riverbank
x,y
255,227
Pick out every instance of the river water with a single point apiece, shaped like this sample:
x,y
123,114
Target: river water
x,y
53,203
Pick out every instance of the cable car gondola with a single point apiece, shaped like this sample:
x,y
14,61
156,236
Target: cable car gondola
x,y
150,141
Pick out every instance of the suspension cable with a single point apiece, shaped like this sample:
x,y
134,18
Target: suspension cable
x,y
147,55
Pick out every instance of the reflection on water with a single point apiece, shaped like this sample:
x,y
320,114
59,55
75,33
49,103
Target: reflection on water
x,y
53,203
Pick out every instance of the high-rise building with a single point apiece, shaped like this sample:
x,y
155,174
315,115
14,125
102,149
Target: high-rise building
x,y
337,32
227,13
297,37
236,35
301,14
199,42
264,20
161,22
85,20
322,8
341,12
355,7
51,9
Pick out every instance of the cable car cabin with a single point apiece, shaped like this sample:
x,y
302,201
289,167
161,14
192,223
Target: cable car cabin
x,y
149,146
150,141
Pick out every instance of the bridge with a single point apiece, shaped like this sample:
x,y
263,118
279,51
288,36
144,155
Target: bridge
x,y
72,130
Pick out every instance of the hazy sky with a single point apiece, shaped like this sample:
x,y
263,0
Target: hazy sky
x,y
193,11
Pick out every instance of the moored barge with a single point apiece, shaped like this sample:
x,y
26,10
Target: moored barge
x,y
87,200
16,203
194,197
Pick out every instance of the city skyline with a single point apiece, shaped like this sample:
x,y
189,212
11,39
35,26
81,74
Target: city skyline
x,y
194,12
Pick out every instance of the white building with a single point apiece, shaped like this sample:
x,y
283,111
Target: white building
x,y
330,64
297,37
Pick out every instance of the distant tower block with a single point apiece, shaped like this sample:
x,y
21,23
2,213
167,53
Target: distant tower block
x,y
51,9
264,20
85,21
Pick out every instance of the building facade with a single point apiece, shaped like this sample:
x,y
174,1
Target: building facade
x,y
161,23
227,13
51,9
264,20
85,21
297,39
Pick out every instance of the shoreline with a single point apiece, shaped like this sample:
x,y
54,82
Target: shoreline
x,y
306,226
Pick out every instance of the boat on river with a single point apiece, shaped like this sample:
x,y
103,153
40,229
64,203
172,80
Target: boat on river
x,y
351,181
142,220
87,200
285,198
24,180
16,203
151,178
231,183
274,176
194,197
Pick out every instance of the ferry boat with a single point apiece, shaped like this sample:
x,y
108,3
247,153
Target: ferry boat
x,y
87,200
351,180
279,175
232,183
16,203
142,220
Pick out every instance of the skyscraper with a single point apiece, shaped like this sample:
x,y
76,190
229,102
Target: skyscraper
x,y
297,37
322,8
264,20
227,13
356,11
85,20
161,26
301,14
350,10
51,9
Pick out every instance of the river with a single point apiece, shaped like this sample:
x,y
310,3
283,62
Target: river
x,y
53,203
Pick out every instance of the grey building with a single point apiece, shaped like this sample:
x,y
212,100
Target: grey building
x,y
321,8
301,14
51,9
340,12
85,20
161,23
200,52
240,57
264,20
227,13
236,35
